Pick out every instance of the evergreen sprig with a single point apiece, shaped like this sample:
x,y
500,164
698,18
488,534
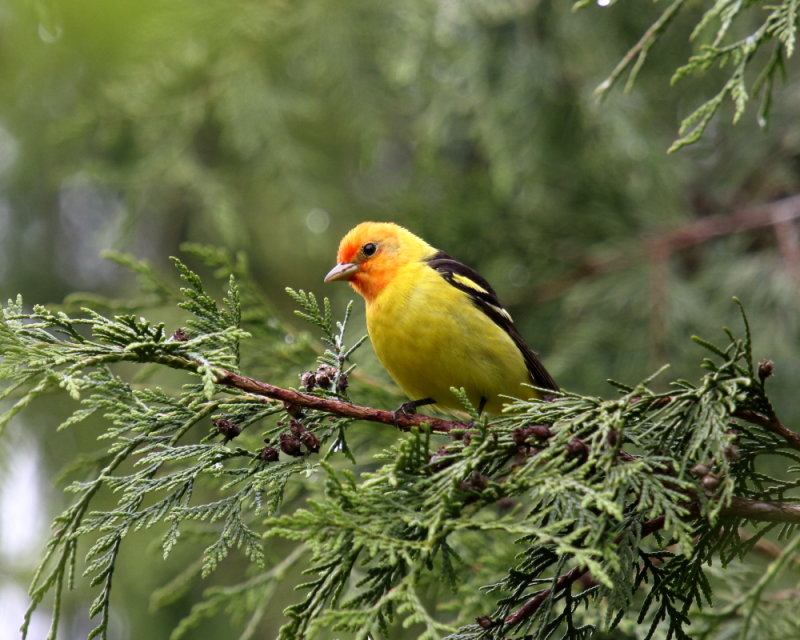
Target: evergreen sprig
x,y
721,44
563,516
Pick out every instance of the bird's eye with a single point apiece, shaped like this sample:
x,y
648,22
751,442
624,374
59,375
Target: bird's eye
x,y
369,249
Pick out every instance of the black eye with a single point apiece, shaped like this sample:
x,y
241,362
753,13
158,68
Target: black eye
x,y
369,249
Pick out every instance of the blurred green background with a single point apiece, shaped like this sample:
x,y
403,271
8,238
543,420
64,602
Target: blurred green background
x,y
273,127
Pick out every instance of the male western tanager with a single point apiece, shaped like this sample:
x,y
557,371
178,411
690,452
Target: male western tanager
x,y
435,323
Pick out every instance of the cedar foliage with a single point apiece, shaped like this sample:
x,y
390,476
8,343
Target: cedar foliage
x,y
458,108
730,34
571,517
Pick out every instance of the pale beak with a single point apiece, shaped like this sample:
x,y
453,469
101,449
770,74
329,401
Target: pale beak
x,y
343,271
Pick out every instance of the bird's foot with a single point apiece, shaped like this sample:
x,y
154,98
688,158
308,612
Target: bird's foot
x,y
481,407
408,409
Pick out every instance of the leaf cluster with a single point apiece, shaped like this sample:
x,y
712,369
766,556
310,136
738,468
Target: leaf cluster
x,y
567,517
750,41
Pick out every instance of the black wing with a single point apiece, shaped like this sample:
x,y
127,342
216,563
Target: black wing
x,y
484,297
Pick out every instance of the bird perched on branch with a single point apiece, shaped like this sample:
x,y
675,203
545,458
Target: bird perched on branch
x,y
435,323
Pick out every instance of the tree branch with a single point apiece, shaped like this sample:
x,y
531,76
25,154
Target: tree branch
x,y
776,214
738,508
566,580
336,407
532,605
761,511
770,424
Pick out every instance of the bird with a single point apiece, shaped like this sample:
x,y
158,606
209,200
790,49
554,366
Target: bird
x,y
436,323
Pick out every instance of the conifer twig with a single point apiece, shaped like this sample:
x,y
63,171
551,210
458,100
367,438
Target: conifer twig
x,y
566,580
772,424
636,55
738,508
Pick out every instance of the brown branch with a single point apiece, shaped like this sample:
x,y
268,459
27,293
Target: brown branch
x,y
738,508
787,235
715,226
762,511
770,424
532,605
777,214
566,580
336,407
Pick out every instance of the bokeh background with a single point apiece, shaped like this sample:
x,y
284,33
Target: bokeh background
x,y
272,127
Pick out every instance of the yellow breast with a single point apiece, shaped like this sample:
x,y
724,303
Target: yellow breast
x,y
430,337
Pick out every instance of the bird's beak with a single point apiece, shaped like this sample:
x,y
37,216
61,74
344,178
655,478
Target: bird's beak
x,y
343,271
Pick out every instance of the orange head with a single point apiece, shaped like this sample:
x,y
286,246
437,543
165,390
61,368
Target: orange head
x,y
371,254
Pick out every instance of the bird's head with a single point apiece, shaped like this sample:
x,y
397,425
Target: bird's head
x,y
371,254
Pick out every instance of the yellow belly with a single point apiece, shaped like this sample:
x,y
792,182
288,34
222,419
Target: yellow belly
x,y
432,337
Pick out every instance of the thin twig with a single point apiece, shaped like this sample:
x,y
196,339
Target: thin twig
x,y
639,49
771,424
566,580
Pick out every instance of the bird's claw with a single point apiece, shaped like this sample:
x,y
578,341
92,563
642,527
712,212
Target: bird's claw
x,y
481,406
408,409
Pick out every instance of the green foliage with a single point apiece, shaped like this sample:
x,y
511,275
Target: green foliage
x,y
620,514
335,354
719,32
272,127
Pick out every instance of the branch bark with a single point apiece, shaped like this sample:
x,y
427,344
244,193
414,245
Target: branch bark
x,y
771,424
336,407
739,507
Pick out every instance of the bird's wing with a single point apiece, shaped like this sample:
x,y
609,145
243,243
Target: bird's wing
x,y
484,297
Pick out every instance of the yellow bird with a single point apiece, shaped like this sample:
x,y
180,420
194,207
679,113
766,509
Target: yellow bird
x,y
435,323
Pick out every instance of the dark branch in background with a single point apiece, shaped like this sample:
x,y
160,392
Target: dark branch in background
x,y
656,249
715,226
781,215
